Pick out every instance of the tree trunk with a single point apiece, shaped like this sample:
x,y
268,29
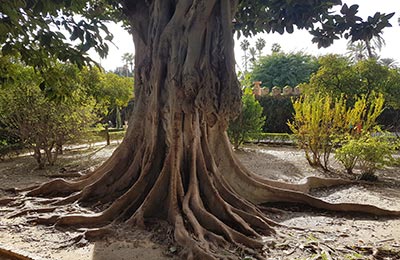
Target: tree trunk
x,y
369,49
175,162
108,139
38,157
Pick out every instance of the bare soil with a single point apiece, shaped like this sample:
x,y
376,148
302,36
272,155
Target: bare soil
x,y
323,235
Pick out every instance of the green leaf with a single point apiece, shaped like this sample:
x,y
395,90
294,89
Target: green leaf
x,y
7,49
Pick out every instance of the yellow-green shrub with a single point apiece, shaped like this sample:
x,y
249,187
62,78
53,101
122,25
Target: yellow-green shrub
x,y
320,122
317,119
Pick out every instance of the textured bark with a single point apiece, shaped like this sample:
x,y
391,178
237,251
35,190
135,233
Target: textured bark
x,y
176,162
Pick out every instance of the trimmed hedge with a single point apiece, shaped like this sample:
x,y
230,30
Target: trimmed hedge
x,y
390,120
278,111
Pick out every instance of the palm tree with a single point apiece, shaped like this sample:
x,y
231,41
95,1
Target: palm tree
x,y
367,48
252,52
276,47
374,45
388,62
245,46
260,44
370,33
128,59
357,51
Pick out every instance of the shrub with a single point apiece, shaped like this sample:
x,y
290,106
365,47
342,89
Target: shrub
x,y
41,123
249,122
320,122
316,123
347,154
369,152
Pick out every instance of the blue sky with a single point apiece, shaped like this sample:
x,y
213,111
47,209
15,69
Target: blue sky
x,y
298,41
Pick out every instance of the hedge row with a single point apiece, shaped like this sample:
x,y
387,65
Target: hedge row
x,y
277,110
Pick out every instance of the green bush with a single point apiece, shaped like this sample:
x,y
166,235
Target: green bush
x,y
368,152
249,123
278,111
43,120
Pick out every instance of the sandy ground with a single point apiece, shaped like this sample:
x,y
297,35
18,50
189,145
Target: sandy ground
x,y
338,236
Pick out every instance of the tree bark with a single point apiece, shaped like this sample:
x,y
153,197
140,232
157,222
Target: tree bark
x,y
175,162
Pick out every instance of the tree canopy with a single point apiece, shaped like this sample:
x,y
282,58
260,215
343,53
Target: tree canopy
x,y
39,29
66,29
337,75
282,69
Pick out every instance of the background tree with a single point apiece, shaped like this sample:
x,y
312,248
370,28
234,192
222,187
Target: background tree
x,y
245,46
116,93
335,76
260,44
43,124
110,92
252,55
360,50
176,152
389,62
276,47
128,59
357,51
281,69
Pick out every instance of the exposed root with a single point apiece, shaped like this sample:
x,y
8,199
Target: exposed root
x,y
51,188
209,199
5,201
306,184
86,236
35,210
75,174
249,186
11,254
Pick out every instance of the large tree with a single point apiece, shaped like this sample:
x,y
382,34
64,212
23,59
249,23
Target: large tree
x,y
176,162
284,69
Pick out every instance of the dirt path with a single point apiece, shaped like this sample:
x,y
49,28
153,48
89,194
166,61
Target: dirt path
x,y
338,236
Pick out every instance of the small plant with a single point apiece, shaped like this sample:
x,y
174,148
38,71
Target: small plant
x,y
347,154
368,152
376,153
